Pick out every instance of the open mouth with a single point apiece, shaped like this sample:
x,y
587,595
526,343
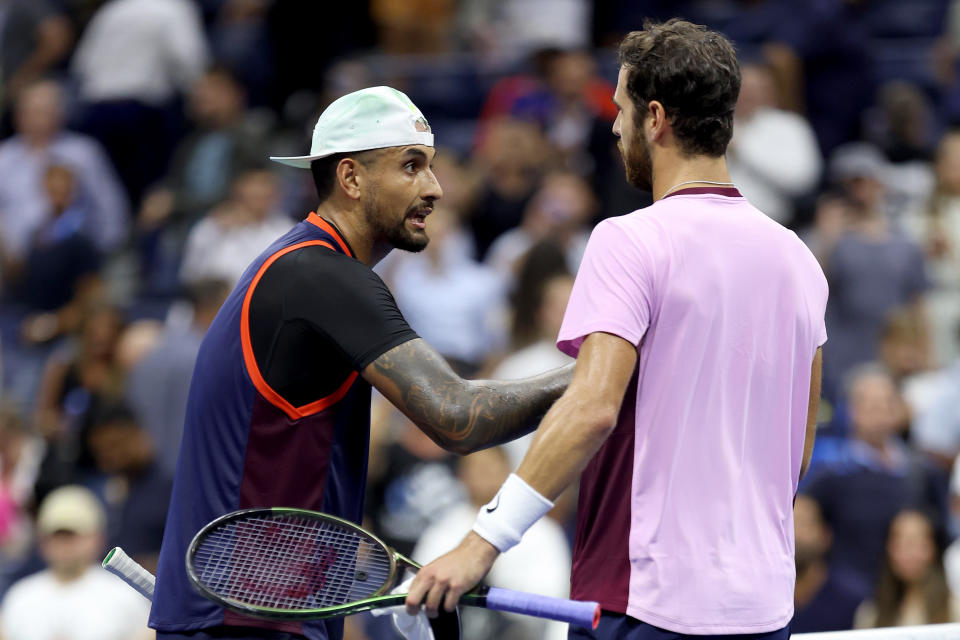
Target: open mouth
x,y
418,218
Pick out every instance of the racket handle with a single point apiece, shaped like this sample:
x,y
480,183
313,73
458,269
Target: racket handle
x,y
124,567
585,614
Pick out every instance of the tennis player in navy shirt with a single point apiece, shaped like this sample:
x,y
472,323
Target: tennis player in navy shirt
x,y
279,406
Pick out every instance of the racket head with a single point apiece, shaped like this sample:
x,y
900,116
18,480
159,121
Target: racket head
x,y
291,564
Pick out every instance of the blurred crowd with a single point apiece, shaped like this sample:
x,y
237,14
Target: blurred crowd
x,y
134,190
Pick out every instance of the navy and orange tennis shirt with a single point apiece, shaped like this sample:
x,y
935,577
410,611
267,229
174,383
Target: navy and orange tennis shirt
x,y
278,415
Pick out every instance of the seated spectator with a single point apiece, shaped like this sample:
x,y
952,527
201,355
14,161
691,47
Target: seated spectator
x,y
824,599
20,456
912,588
222,143
77,377
511,159
60,273
453,302
41,141
540,300
773,157
540,563
158,384
411,480
936,425
560,211
223,244
871,268
936,227
134,487
73,598
871,476
951,557
35,39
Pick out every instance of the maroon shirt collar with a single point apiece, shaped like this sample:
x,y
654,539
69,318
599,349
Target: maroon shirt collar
x,y
729,192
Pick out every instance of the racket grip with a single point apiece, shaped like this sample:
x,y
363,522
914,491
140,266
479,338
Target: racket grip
x,y
124,567
585,614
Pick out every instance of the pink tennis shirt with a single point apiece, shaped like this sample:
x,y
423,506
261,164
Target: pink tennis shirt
x,y
685,519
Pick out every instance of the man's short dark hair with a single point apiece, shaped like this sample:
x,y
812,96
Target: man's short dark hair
x,y
324,170
693,72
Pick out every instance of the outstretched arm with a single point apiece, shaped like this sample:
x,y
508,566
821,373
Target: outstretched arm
x,y
462,415
572,432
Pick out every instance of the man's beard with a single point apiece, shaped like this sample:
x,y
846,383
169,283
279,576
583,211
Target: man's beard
x,y
397,233
638,164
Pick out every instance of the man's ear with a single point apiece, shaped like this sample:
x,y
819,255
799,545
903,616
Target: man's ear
x,y
656,120
351,177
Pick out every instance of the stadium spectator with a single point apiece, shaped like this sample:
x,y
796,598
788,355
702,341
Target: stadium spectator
x,y
818,54
824,599
773,157
871,476
936,227
411,480
78,376
40,141
60,273
20,454
450,300
158,384
539,300
559,211
68,600
130,481
223,143
133,59
936,426
912,588
872,270
224,243
34,38
539,564
512,158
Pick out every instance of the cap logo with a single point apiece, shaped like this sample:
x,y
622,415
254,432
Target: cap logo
x,y
422,125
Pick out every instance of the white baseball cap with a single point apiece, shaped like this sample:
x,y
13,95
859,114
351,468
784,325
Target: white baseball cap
x,y
371,118
70,508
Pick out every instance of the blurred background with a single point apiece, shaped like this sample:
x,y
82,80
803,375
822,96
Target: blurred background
x,y
134,190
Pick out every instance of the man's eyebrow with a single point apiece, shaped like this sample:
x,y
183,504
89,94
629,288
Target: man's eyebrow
x,y
414,152
614,101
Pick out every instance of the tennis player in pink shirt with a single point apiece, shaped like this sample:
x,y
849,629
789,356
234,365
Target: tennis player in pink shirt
x,y
697,324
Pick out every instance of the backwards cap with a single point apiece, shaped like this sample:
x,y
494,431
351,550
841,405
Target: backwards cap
x,y
371,118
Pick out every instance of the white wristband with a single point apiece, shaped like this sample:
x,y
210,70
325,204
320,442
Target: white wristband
x,y
504,520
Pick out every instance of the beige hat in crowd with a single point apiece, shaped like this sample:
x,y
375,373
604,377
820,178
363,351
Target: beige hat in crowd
x,y
70,508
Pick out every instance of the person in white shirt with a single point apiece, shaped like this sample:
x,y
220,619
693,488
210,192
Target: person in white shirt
x,y
539,564
40,141
73,599
773,157
134,57
226,241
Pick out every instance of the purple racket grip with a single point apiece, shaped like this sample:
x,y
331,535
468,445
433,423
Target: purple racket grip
x,y
585,614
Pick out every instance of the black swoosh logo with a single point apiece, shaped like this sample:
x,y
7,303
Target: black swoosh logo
x,y
494,507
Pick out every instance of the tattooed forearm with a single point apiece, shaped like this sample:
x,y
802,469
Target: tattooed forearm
x,y
462,415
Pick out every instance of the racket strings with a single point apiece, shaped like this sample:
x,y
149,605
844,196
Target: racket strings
x,y
290,562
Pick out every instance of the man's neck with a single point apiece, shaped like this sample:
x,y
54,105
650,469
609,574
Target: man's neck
x,y
672,168
354,229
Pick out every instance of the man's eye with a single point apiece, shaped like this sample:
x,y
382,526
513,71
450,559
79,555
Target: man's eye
x,y
410,166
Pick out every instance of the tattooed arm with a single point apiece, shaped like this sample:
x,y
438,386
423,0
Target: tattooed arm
x,y
462,415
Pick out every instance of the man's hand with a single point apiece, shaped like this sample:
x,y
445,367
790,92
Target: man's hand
x,y
450,576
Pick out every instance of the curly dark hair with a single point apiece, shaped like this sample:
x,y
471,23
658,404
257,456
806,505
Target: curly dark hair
x,y
693,72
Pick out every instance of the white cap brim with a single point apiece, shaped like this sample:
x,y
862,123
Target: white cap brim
x,y
300,162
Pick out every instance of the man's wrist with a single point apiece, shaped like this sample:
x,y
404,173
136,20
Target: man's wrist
x,y
504,520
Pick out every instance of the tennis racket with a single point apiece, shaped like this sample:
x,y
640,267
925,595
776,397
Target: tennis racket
x,y
284,563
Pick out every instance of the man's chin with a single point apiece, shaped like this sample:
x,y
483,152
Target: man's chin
x,y
411,244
